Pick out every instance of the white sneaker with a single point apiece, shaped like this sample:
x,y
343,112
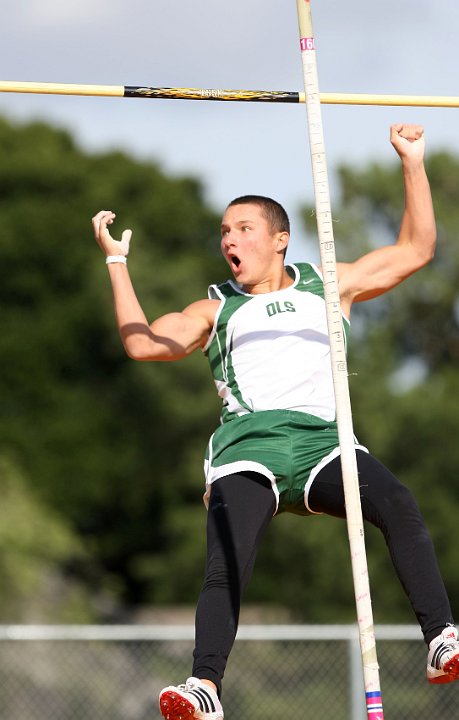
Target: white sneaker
x,y
194,699
443,657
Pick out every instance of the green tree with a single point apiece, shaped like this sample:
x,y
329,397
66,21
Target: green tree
x,y
34,542
108,444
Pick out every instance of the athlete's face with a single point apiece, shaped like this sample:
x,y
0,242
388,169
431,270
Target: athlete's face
x,y
248,244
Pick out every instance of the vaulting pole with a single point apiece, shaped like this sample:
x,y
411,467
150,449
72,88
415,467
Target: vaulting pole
x,y
339,367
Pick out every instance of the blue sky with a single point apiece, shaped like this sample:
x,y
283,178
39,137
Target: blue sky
x,y
365,47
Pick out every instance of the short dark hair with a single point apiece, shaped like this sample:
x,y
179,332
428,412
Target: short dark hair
x,y
271,210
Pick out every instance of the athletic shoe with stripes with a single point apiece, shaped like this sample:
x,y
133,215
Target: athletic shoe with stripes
x,y
443,657
193,699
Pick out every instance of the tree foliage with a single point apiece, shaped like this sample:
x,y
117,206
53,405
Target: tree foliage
x,y
101,457
107,444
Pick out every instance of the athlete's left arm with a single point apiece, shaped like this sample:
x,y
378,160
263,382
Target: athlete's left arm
x,y
384,268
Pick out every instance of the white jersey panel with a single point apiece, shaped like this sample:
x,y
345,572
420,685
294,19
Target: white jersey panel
x,y
278,355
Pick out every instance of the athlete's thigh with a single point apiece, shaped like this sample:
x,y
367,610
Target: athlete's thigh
x,y
376,483
240,508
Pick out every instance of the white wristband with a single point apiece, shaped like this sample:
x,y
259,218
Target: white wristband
x,y
116,259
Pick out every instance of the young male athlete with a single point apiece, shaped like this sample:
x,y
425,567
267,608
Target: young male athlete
x,y
265,336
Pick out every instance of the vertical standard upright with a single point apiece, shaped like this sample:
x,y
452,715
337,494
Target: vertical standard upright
x,y
339,367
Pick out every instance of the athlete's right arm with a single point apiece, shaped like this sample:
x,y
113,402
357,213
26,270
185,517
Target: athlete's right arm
x,y
168,338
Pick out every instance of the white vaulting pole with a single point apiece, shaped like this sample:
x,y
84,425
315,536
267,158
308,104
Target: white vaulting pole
x,y
339,367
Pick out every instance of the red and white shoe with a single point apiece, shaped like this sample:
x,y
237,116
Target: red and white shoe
x,y
443,657
193,699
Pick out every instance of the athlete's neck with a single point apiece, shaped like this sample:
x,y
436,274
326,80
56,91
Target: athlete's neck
x,y
278,281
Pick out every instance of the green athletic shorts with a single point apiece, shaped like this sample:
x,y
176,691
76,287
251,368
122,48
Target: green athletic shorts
x,y
287,446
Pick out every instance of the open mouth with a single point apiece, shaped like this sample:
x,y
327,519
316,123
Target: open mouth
x,y
234,261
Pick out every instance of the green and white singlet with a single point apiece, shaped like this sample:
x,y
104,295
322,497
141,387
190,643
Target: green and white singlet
x,y
270,358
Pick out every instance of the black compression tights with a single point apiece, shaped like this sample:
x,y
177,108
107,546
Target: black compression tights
x,y
241,507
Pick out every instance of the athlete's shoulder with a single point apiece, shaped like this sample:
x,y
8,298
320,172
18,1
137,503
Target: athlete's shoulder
x,y
306,268
205,308
225,290
308,277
